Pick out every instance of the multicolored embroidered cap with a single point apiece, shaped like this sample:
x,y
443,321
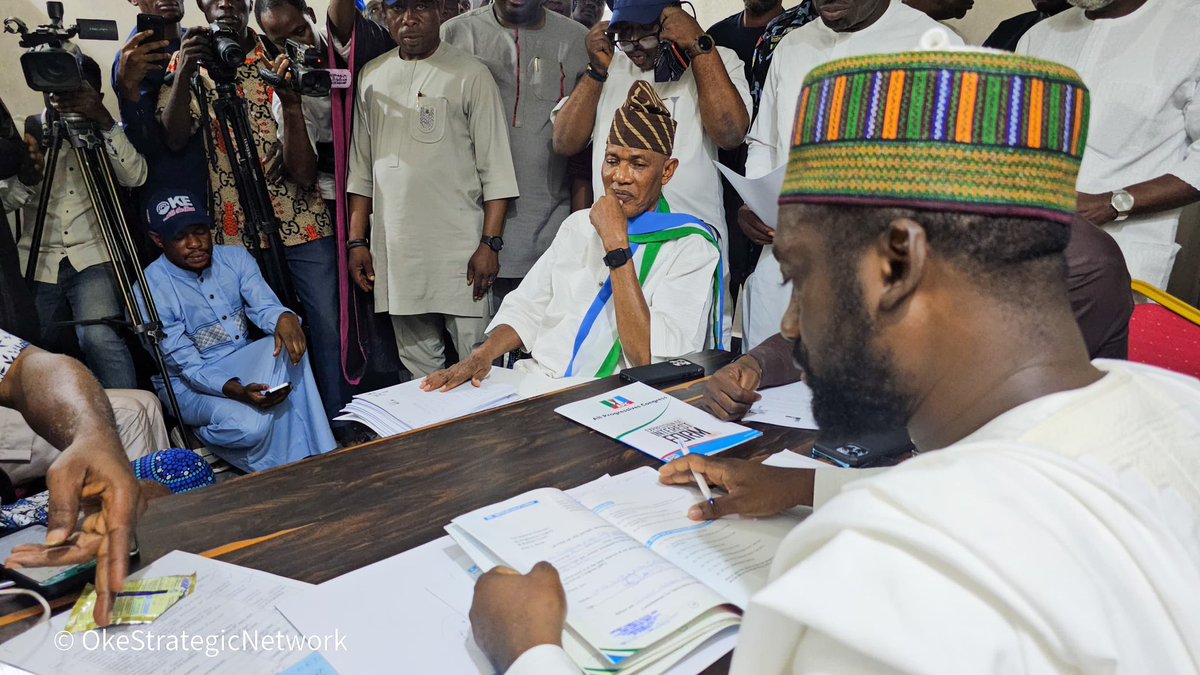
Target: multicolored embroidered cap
x,y
970,131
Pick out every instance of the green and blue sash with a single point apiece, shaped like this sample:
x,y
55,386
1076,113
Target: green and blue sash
x,y
649,231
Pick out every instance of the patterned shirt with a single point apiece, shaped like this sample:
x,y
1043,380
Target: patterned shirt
x,y
11,347
301,210
780,26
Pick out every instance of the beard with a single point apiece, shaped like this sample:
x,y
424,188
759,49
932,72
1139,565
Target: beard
x,y
856,391
1091,5
760,6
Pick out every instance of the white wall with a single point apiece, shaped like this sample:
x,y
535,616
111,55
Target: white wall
x,y
21,101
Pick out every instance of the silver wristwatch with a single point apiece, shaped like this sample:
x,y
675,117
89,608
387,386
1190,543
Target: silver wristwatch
x,y
1122,203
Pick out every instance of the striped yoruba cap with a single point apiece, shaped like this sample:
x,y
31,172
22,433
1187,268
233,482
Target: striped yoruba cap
x,y
971,131
643,121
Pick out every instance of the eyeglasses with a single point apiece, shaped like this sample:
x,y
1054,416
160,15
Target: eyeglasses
x,y
646,43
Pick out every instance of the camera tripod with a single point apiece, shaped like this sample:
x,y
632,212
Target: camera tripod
x,y
259,214
86,142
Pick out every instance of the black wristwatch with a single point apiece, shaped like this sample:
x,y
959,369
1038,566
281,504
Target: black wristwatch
x,y
618,257
494,243
704,44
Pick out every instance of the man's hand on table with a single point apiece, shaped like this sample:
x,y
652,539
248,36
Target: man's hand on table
x,y
92,474
730,392
474,368
513,613
753,489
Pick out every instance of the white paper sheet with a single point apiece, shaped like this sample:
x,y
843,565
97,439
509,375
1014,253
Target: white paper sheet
x,y
229,603
790,459
404,407
786,406
760,194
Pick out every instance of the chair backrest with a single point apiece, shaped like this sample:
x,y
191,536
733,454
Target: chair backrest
x,y
1165,332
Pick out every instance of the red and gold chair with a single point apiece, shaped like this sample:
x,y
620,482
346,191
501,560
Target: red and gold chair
x,y
1164,332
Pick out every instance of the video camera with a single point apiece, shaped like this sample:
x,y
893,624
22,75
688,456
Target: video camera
x,y
49,66
309,75
228,53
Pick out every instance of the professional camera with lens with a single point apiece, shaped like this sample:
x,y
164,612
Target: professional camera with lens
x,y
309,76
228,53
49,66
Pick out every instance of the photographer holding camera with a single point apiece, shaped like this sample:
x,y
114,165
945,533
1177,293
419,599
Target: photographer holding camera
x,y
228,51
74,278
138,73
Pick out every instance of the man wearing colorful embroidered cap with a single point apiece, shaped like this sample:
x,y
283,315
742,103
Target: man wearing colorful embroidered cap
x,y
1052,523
625,283
228,385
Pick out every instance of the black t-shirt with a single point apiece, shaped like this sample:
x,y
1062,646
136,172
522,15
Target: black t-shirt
x,y
730,33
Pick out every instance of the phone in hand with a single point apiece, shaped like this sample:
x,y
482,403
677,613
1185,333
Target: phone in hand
x,y
153,23
279,387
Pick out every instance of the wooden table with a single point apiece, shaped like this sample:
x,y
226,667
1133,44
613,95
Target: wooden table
x,y
329,515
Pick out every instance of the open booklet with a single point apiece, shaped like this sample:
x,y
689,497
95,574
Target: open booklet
x,y
645,586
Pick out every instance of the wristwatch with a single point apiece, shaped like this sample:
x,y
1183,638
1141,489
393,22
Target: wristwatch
x,y
618,257
494,243
704,44
1122,203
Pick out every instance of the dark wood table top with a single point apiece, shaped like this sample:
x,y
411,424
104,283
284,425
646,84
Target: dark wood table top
x,y
335,513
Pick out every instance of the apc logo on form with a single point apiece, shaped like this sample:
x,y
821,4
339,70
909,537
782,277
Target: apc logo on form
x,y
617,402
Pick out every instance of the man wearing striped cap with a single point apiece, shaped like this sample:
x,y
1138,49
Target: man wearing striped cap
x,y
1051,523
625,283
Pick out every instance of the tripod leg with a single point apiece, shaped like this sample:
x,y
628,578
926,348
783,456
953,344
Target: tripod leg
x,y
118,241
39,220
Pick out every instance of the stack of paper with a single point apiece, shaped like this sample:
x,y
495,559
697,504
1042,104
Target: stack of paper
x,y
404,407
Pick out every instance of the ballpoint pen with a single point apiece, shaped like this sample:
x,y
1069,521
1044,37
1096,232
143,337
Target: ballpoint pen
x,y
700,482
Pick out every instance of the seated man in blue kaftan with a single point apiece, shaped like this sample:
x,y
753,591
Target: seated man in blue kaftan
x,y
225,381
625,283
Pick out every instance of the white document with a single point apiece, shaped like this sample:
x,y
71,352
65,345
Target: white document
x,y
404,407
760,194
655,423
790,459
213,630
787,406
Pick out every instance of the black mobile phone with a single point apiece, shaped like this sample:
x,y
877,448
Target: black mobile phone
x,y
50,582
865,450
667,371
153,23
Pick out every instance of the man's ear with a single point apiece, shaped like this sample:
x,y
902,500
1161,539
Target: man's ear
x,y
156,239
669,170
308,11
903,251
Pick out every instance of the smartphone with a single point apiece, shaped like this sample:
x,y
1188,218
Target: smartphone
x,y
50,582
154,23
866,450
278,387
668,371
